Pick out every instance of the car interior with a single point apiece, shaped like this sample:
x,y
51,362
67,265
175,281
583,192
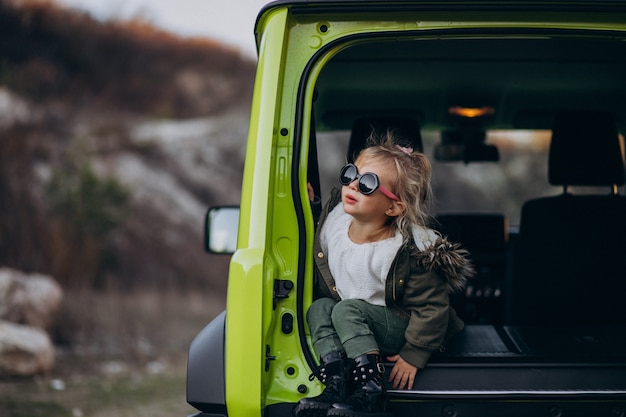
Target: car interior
x,y
545,312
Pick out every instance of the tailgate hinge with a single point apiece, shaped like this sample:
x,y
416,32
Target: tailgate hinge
x,y
282,288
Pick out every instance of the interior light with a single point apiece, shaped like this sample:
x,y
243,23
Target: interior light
x,y
471,111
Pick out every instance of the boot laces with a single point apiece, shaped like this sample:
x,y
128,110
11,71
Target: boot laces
x,y
332,381
320,373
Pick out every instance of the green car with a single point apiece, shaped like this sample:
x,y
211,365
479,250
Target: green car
x,y
521,107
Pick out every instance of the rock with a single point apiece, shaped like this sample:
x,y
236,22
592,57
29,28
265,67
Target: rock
x,y
29,299
24,350
13,109
28,303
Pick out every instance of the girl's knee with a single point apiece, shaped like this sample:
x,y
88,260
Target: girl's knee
x,y
321,306
346,309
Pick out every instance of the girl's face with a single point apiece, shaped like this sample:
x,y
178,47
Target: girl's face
x,y
375,207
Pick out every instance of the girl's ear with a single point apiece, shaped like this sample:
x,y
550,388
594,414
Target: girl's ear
x,y
396,208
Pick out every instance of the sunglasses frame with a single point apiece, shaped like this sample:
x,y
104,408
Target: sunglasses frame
x,y
359,177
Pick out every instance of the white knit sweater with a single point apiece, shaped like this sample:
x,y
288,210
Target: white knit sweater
x,y
359,270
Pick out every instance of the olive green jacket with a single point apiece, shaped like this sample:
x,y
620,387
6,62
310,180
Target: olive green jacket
x,y
426,269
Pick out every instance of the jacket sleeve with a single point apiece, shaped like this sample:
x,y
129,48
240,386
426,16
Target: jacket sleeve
x,y
427,302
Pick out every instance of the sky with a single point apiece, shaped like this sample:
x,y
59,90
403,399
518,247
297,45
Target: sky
x,y
228,21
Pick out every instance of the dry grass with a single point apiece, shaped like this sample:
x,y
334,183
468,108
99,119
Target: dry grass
x,y
123,393
119,355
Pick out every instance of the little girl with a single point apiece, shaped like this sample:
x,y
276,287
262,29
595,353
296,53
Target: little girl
x,y
383,280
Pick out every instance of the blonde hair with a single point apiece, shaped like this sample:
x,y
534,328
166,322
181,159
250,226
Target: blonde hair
x,y
410,179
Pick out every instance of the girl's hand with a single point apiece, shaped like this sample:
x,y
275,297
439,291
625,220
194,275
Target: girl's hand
x,y
402,374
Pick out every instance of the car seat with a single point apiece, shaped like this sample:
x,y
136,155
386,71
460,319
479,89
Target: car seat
x,y
568,260
485,236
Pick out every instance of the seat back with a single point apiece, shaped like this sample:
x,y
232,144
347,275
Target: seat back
x,y
568,260
485,236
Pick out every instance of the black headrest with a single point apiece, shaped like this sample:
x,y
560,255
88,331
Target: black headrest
x,y
585,150
405,130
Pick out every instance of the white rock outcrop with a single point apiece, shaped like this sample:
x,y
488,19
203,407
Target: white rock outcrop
x,y
28,303
24,350
29,299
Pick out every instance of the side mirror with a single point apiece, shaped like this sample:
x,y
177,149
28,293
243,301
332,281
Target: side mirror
x,y
221,227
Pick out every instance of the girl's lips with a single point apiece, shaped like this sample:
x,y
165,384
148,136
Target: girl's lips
x,y
350,199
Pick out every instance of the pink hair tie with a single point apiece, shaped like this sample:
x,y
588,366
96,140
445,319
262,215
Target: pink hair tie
x,y
406,149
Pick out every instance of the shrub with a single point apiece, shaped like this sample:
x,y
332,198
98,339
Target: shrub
x,y
87,209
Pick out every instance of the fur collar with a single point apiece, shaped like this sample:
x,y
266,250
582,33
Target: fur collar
x,y
449,259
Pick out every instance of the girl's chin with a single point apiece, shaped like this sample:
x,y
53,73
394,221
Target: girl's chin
x,y
349,208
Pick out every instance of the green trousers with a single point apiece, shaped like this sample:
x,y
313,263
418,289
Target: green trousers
x,y
354,327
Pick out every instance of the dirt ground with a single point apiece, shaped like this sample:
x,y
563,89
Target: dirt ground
x,y
123,355
120,392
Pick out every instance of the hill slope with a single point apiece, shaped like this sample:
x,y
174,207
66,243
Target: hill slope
x,y
114,139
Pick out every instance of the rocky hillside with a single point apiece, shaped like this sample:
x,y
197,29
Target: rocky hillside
x,y
114,140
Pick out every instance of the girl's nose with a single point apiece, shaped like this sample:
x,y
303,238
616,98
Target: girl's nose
x,y
354,185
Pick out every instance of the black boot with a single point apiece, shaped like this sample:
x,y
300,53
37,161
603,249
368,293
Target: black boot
x,y
333,374
369,398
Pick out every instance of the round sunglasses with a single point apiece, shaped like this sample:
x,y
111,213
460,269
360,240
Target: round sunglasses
x,y
368,182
